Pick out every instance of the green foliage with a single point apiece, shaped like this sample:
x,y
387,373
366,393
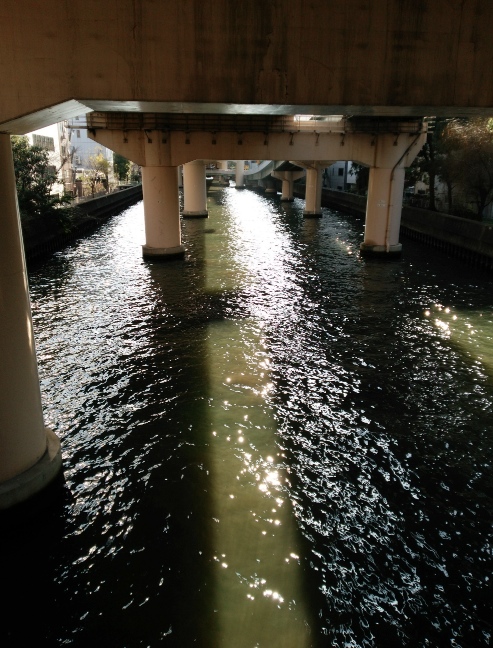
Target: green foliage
x,y
135,173
459,152
362,174
121,166
468,161
35,177
427,165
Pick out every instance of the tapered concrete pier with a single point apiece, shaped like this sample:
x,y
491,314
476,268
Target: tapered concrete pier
x,y
30,456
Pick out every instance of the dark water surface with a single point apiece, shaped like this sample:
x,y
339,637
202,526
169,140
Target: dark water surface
x,y
272,443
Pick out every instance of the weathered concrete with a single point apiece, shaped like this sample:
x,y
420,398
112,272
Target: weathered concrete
x,y
313,192
277,56
152,148
287,179
194,190
24,440
468,239
111,203
161,213
240,174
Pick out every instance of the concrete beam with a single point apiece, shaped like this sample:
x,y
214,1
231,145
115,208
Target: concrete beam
x,y
151,148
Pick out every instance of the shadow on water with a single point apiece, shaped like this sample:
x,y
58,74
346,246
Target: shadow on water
x,y
29,538
123,557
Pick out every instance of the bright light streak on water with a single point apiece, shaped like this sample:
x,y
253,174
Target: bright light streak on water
x,y
472,331
260,596
359,485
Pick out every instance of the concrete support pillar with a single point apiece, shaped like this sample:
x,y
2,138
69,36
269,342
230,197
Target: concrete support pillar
x,y
240,174
161,213
383,211
30,455
287,187
194,190
223,166
313,193
269,186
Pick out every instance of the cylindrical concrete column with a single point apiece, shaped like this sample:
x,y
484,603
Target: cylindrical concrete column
x,y
269,186
223,166
240,174
383,211
194,190
313,193
287,187
161,213
29,453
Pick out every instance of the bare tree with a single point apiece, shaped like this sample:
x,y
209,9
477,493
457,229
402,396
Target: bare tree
x,y
97,172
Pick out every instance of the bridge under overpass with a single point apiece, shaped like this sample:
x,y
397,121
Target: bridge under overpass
x,y
374,59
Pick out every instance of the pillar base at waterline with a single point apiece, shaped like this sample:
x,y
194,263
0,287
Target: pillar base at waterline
x,y
288,200
22,487
312,214
163,254
195,214
381,251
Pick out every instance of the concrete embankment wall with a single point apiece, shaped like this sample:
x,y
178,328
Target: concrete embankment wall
x,y
45,236
469,240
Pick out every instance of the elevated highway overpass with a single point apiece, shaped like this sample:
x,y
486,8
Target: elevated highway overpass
x,y
284,57
264,59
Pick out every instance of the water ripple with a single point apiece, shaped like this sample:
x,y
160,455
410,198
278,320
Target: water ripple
x,y
276,380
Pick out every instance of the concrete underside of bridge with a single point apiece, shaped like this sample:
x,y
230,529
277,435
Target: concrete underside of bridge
x,y
385,57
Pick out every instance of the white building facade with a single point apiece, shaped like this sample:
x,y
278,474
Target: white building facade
x,y
55,139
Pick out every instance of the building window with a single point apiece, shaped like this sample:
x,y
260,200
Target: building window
x,y
341,171
47,143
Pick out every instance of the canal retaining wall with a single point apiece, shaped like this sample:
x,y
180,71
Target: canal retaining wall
x,y
469,240
42,237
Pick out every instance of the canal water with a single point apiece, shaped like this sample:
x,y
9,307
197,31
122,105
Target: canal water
x,y
272,443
